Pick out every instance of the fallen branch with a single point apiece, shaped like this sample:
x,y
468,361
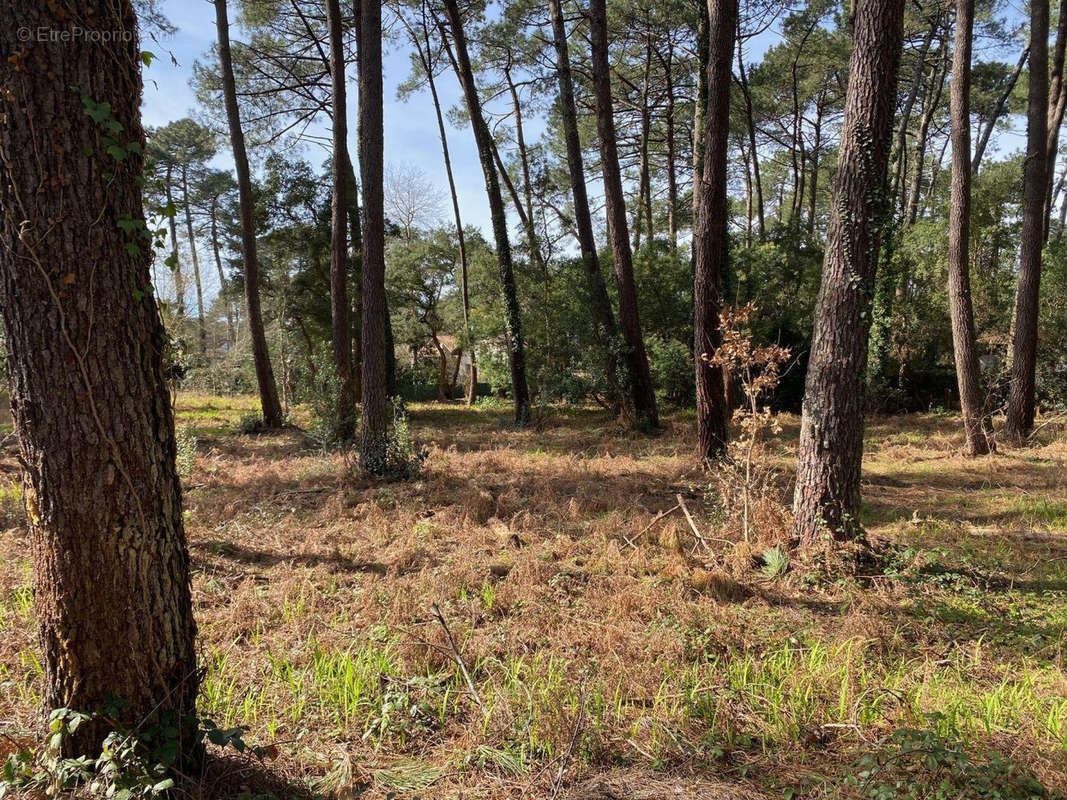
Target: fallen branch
x,y
691,521
655,519
435,609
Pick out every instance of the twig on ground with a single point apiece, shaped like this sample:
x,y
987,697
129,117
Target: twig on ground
x,y
570,749
436,610
645,529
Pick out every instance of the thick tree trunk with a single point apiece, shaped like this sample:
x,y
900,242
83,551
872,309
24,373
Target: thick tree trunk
x,y
201,323
340,324
374,422
268,390
88,387
830,453
1021,411
516,346
641,390
605,331
968,374
710,244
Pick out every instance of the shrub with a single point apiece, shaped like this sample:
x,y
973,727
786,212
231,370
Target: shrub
x,y
401,457
922,764
672,370
186,451
320,392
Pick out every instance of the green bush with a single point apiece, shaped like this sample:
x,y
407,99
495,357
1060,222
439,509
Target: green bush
x,y
673,371
922,764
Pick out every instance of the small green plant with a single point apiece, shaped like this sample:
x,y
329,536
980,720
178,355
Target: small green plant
x,y
251,423
186,451
323,387
408,708
132,765
402,456
743,478
922,764
775,562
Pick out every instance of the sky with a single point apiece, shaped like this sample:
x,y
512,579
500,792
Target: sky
x,y
411,136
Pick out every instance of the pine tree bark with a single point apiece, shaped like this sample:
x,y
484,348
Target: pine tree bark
x,y
88,388
640,378
516,345
830,453
1019,417
605,331
340,324
961,311
268,390
374,422
710,245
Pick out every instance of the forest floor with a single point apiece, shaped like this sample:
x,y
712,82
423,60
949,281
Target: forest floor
x,y
614,654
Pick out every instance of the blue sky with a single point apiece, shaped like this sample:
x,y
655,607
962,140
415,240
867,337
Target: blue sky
x,y
410,127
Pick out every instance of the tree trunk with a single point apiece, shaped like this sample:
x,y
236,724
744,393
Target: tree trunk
x,y
933,100
340,325
355,317
513,320
710,245
1002,103
754,152
900,148
831,436
176,268
201,324
643,215
231,330
1020,413
268,391
672,158
968,374
605,332
461,241
88,386
374,422
1057,105
644,397
816,145
526,214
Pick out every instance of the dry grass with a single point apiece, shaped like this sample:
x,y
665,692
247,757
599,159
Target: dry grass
x,y
614,654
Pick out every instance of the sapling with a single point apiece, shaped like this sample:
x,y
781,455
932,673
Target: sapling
x,y
758,369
